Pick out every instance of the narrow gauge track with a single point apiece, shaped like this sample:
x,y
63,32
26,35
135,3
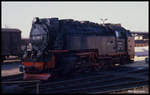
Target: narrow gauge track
x,y
102,86
10,61
77,86
114,87
124,86
98,82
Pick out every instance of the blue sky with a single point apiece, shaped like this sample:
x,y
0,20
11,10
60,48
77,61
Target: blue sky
x,y
132,15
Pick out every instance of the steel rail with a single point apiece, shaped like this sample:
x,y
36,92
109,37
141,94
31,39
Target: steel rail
x,y
79,90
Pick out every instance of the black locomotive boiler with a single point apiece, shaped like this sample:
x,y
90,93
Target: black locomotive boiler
x,y
66,45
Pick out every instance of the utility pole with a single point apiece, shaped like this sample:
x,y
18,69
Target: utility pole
x,y
103,20
6,26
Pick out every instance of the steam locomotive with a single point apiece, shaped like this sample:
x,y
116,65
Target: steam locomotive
x,y
66,45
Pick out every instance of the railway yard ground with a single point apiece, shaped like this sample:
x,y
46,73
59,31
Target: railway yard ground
x,y
114,81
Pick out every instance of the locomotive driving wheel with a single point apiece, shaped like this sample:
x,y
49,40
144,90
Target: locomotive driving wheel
x,y
67,66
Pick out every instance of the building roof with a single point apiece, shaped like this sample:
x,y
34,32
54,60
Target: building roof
x,y
10,30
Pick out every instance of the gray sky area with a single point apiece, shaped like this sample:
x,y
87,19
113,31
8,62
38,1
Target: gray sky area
x,y
132,15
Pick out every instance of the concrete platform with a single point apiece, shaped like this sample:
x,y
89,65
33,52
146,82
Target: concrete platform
x,y
10,68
